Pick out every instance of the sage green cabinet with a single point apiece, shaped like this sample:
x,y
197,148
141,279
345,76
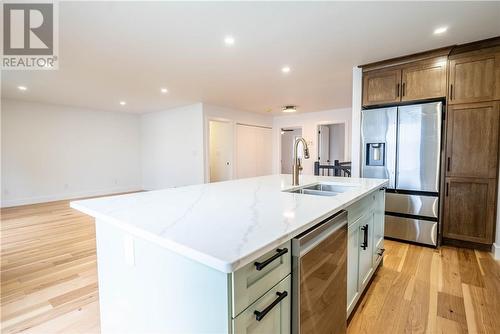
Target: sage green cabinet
x,y
365,240
352,266
365,243
277,320
378,227
250,283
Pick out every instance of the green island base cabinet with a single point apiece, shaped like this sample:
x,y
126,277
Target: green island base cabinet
x,y
365,244
146,287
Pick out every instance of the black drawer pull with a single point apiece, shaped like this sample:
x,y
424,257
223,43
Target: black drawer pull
x,y
381,251
260,315
364,244
279,253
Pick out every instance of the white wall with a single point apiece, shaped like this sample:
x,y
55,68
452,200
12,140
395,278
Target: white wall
x,y
357,82
172,145
238,116
309,123
52,152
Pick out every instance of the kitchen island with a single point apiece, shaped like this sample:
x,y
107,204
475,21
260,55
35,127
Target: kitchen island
x,y
183,259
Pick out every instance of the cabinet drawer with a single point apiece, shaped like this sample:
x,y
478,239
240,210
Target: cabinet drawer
x,y
358,209
276,320
249,283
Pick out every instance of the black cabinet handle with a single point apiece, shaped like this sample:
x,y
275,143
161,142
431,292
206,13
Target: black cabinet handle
x,y
364,244
447,188
381,252
451,92
448,164
397,90
404,86
259,315
279,253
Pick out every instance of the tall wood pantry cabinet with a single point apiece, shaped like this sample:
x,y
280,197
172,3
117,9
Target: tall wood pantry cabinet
x,y
472,147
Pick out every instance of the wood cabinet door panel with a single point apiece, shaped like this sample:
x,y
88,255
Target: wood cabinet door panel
x,y
472,79
424,80
381,87
472,140
470,209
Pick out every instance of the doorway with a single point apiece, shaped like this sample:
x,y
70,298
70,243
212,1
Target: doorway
x,y
331,143
220,150
288,137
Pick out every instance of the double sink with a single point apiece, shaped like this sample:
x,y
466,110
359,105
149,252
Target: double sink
x,y
322,189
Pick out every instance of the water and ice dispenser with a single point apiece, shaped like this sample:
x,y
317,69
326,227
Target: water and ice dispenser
x,y
375,154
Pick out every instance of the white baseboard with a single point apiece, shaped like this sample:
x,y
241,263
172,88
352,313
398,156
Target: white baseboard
x,y
59,197
495,249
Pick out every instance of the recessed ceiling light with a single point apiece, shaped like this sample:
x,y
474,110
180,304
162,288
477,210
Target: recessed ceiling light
x,y
440,30
23,88
229,40
164,90
122,103
289,109
285,69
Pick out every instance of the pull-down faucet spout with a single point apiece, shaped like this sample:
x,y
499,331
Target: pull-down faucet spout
x,y
296,162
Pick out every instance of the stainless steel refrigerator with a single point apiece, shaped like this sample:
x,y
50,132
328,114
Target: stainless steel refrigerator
x,y
403,144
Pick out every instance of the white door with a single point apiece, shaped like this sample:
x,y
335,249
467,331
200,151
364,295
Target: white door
x,y
220,150
253,151
324,144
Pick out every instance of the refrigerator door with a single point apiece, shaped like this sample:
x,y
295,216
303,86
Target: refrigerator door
x,y
419,145
378,131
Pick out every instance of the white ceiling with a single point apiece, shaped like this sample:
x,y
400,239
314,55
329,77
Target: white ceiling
x,y
113,51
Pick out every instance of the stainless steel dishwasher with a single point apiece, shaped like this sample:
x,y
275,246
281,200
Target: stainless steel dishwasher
x,y
319,278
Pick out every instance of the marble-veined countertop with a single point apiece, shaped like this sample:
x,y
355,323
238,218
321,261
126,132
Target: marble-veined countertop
x,y
225,225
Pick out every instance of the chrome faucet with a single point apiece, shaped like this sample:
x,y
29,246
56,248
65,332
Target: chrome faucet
x,y
296,161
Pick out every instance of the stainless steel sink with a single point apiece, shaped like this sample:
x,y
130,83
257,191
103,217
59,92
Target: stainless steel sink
x,y
322,189
330,187
312,192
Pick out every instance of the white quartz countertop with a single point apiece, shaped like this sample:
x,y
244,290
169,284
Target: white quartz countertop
x,y
225,225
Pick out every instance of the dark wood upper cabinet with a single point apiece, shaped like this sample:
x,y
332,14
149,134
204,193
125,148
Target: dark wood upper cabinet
x,y
470,209
424,80
381,87
418,80
472,140
474,78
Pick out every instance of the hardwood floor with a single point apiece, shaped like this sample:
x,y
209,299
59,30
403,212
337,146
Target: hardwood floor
x,y
48,270
49,281
425,290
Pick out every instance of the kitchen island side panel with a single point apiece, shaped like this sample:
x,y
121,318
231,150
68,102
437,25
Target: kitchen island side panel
x,y
146,288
